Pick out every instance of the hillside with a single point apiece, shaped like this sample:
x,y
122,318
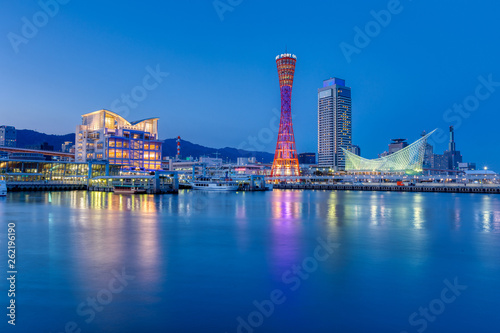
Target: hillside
x,y
30,137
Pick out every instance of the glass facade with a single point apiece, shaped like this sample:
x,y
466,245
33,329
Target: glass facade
x,y
334,123
47,171
408,159
107,136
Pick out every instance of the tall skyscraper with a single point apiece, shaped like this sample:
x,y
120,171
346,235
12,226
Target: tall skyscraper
x,y
451,158
8,136
285,161
334,123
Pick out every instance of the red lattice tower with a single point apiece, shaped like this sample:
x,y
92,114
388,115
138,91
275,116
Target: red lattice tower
x,y
285,161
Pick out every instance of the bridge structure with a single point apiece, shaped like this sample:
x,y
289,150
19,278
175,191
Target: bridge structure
x,y
36,151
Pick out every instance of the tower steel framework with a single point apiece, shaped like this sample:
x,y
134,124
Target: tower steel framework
x,y
285,161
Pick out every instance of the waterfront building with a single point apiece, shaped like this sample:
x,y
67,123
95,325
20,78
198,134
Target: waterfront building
x,y
408,160
285,161
482,176
95,176
334,123
107,136
8,136
35,170
307,158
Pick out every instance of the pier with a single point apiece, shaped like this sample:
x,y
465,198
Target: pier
x,y
45,186
159,183
34,175
441,188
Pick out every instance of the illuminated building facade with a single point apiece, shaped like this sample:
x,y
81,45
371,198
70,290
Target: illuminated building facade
x,y
107,136
65,172
408,159
334,123
286,162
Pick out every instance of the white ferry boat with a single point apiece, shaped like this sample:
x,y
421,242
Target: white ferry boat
x,y
3,187
210,184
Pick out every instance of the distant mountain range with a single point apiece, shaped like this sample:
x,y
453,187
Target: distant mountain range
x,y
30,138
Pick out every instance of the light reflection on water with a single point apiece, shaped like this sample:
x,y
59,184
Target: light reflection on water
x,y
336,208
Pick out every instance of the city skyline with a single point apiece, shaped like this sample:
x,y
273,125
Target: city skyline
x,y
157,174
399,91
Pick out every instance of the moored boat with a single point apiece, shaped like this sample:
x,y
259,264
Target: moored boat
x,y
212,184
128,190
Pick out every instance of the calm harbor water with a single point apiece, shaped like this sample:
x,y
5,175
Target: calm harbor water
x,y
215,262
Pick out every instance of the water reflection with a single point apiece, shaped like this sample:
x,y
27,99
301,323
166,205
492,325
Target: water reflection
x,y
287,204
418,218
488,217
244,242
286,230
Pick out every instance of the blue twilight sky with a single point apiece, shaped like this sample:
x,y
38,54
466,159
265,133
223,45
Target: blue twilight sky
x,y
222,84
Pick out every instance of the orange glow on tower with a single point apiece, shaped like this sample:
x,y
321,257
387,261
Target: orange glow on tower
x,y
285,161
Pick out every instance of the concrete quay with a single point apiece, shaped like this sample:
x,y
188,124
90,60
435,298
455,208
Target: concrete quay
x,y
456,188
